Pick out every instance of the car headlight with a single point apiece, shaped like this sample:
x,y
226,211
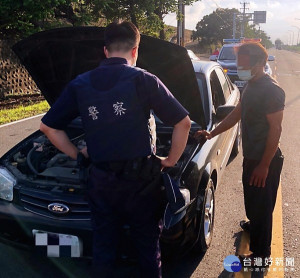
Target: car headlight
x,y
7,183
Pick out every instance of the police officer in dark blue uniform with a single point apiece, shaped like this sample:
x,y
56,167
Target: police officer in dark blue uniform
x,y
114,102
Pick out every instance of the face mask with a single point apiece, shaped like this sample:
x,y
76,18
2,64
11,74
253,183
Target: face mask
x,y
245,75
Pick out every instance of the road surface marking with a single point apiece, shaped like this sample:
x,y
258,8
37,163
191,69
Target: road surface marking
x,y
22,120
276,245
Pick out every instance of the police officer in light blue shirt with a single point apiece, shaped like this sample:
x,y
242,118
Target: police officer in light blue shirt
x,y
114,101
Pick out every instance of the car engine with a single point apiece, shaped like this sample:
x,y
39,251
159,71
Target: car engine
x,y
38,159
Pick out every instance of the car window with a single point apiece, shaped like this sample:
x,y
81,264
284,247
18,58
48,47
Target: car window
x,y
230,83
216,90
224,83
204,95
227,53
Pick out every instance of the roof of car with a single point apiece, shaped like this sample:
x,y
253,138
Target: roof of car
x,y
204,66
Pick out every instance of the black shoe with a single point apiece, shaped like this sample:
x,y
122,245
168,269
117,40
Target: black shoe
x,y
245,225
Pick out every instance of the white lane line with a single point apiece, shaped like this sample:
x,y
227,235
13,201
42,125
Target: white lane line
x,y
15,122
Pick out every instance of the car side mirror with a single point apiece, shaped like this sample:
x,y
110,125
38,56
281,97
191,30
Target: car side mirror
x,y
271,58
223,111
213,58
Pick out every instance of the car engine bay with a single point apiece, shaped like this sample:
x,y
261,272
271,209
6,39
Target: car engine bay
x,y
37,159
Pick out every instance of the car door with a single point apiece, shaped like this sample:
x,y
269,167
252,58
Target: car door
x,y
221,91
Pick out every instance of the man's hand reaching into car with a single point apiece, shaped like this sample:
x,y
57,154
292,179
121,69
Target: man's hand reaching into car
x,y
203,134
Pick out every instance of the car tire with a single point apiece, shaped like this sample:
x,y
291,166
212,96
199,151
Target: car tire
x,y
205,215
237,142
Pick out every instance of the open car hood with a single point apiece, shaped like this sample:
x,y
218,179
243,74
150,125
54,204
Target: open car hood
x,y
55,57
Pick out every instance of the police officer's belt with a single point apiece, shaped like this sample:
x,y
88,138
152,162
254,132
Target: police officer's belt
x,y
139,168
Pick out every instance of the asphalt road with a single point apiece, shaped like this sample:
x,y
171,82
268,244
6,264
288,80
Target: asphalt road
x,y
229,202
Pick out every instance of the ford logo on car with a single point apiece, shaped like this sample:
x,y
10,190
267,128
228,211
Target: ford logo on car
x,y
58,208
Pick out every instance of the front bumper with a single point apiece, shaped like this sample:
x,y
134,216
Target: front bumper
x,y
235,79
17,225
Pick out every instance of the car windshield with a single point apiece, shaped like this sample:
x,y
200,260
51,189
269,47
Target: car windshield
x,y
227,53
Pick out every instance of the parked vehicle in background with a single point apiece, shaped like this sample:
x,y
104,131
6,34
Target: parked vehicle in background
x,y
227,59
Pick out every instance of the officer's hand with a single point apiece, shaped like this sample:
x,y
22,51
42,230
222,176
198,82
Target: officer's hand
x,y
200,134
259,176
82,161
84,152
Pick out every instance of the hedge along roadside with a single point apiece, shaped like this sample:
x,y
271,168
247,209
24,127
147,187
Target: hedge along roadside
x,y
22,112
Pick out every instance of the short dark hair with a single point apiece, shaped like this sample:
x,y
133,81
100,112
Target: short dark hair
x,y
121,36
255,51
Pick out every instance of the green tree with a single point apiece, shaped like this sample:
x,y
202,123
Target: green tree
x,y
252,32
215,27
22,17
278,42
164,7
148,15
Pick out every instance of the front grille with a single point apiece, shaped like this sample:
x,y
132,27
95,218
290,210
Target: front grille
x,y
233,77
37,202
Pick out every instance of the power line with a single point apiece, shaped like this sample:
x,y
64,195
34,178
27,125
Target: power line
x,y
218,7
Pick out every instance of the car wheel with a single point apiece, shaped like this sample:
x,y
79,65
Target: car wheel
x,y
237,142
205,217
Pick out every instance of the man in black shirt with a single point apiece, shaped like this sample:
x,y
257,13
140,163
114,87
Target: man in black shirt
x,y
261,113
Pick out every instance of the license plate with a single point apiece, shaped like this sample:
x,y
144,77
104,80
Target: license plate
x,y
240,83
57,245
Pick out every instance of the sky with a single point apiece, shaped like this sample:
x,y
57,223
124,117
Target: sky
x,y
281,16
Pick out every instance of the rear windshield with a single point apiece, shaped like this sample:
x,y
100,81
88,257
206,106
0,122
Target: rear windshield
x,y
227,53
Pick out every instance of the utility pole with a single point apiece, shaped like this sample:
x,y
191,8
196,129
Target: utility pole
x,y
234,26
244,8
292,37
180,23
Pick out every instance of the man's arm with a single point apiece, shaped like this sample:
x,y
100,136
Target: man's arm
x,y
60,140
260,173
226,124
179,140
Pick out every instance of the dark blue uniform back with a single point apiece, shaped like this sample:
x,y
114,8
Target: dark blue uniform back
x,y
114,101
114,119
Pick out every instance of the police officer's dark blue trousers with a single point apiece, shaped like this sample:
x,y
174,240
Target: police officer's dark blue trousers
x,y
260,203
113,201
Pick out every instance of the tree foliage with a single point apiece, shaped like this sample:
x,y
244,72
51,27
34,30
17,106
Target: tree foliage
x,y
26,16
278,42
215,27
23,17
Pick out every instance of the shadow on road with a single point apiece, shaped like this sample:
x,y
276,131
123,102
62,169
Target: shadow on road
x,y
237,242
29,265
226,274
182,268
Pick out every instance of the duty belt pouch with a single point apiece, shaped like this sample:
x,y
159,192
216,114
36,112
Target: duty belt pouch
x,y
151,176
151,167
132,169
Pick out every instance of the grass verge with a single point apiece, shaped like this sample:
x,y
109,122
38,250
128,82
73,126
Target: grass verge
x,y
22,111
